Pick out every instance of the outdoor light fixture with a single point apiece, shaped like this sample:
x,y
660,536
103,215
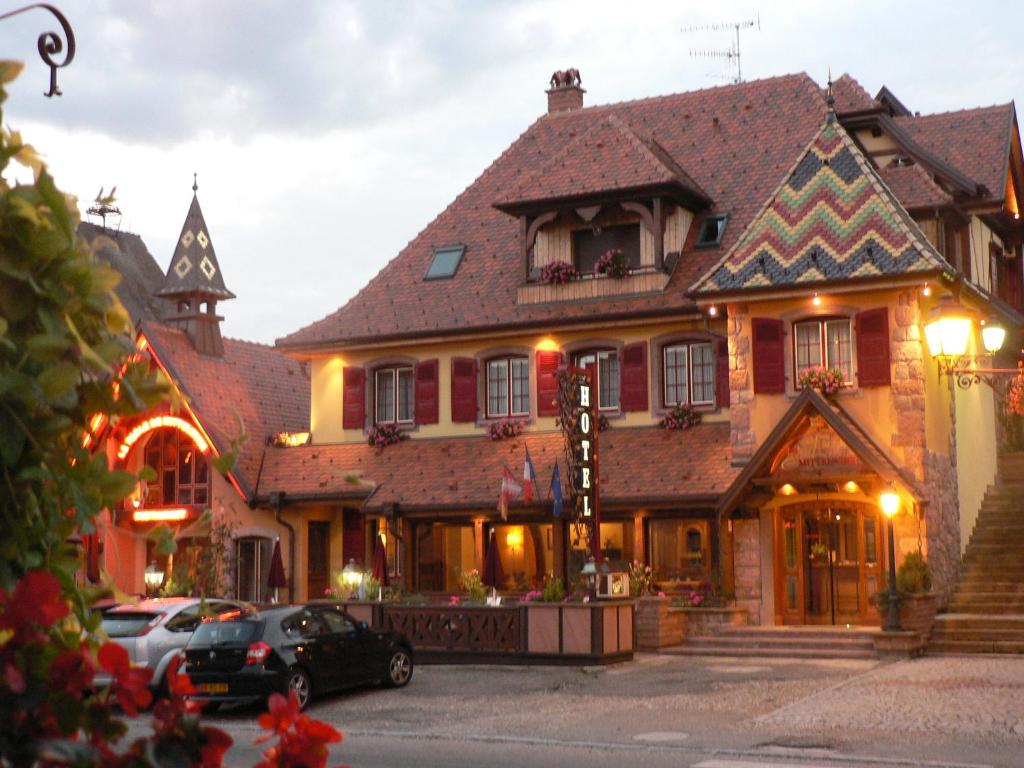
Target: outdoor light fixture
x,y
993,334
153,577
889,501
948,332
850,487
589,574
352,575
713,311
816,301
787,489
514,538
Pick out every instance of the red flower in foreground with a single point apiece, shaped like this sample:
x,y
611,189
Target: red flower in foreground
x,y
36,600
302,741
71,672
130,685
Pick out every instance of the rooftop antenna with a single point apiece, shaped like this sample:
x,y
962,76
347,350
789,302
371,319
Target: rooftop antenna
x,y
103,206
732,53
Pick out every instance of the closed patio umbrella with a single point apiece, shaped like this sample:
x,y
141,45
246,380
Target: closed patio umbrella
x,y
276,579
380,562
493,575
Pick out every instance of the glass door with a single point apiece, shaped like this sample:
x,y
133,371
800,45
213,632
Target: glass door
x,y
833,570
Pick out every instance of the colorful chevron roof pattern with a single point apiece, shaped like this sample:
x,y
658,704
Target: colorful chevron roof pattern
x,y
831,219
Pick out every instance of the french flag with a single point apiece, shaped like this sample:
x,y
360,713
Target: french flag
x,y
529,478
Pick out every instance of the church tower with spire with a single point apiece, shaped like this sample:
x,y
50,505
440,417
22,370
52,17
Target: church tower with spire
x,y
194,283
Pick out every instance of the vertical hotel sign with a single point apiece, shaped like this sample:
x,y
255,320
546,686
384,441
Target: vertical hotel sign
x,y
585,455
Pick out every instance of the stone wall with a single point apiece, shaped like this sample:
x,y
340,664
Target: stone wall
x,y
942,524
908,383
747,567
741,384
656,625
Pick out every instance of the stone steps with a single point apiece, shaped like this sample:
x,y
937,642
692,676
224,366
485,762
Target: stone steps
x,y
986,612
778,642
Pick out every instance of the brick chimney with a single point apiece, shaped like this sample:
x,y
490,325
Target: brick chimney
x,y
566,91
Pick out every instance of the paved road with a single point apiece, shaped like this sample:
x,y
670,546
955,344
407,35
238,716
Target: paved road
x,y
678,711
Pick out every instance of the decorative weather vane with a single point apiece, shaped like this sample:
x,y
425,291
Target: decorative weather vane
x,y
732,53
50,43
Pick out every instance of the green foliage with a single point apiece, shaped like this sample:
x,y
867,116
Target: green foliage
x,y
913,577
66,353
553,590
474,586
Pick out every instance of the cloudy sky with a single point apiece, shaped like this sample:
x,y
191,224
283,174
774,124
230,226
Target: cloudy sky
x,y
327,134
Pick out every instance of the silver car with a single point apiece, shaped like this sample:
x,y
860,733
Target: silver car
x,y
153,631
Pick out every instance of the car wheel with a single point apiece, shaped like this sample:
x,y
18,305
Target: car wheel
x,y
399,670
299,682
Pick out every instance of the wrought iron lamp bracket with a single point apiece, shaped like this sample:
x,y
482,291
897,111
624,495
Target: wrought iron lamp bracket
x,y
965,371
50,44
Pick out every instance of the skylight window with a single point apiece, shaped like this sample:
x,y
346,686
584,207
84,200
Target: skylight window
x,y
711,231
445,262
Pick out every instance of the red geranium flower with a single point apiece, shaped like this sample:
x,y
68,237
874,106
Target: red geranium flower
x,y
36,600
130,685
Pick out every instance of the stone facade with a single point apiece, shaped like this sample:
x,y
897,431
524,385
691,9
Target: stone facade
x,y
747,567
741,384
908,383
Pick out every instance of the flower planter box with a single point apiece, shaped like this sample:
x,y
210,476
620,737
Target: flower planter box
x,y
707,621
917,613
599,632
595,632
657,624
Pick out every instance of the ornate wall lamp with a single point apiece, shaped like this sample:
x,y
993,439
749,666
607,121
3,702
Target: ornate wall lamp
x,y
948,331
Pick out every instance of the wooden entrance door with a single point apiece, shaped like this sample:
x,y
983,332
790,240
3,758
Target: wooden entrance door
x,y
827,564
789,566
318,543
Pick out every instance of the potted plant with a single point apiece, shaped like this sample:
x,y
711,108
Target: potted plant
x,y
558,272
612,263
680,416
382,435
913,587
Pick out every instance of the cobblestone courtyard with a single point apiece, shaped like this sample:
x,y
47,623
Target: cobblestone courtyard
x,y
938,711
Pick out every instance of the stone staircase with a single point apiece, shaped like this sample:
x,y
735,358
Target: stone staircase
x,y
986,613
791,642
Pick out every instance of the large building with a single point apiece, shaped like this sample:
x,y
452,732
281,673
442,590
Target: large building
x,y
768,228
229,396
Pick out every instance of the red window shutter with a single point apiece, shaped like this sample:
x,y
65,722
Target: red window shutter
x,y
426,392
722,373
353,414
353,536
547,382
633,390
769,355
463,389
872,328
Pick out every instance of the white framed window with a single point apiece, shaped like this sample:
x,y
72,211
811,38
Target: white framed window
x,y
508,387
394,399
688,373
825,343
607,362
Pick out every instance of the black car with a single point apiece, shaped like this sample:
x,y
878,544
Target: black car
x,y
310,649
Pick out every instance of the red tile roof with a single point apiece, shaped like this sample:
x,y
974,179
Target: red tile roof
x,y
974,141
735,141
252,382
914,187
639,466
850,96
609,156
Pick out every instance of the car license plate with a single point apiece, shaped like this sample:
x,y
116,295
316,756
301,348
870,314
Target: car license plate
x,y
213,687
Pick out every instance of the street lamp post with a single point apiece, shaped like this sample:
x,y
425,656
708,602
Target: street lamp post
x,y
153,577
890,503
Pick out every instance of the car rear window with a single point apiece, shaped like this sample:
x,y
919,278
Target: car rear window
x,y
126,624
223,633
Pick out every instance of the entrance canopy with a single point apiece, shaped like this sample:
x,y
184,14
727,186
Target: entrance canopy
x,y
816,447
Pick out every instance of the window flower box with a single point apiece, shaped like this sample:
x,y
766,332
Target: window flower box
x,y
680,416
383,435
558,272
612,263
827,381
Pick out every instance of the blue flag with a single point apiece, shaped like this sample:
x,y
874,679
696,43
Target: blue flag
x,y
556,491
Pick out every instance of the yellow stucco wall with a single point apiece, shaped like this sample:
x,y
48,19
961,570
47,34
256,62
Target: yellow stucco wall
x,y
872,407
976,459
327,390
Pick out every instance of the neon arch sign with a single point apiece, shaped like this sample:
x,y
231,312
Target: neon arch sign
x,y
159,422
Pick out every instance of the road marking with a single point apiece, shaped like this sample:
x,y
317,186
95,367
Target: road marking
x,y
661,737
749,764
